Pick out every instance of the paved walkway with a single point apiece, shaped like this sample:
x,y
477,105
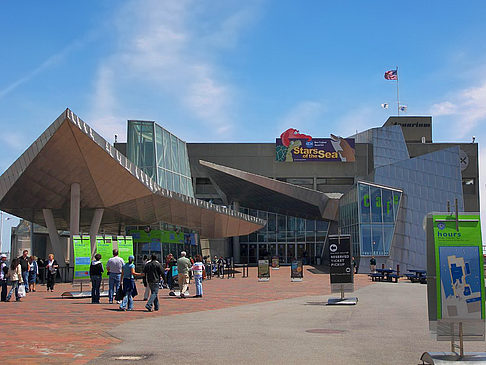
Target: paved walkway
x,y
45,328
388,326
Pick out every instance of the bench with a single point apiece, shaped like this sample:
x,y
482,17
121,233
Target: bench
x,y
376,277
394,277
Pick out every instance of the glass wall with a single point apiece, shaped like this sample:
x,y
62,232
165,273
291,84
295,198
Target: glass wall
x,y
377,212
161,155
284,236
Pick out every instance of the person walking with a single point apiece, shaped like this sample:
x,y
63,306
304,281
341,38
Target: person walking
x,y
24,264
3,276
15,275
95,272
221,264
183,267
146,293
33,272
169,264
199,272
153,272
51,268
128,279
373,264
114,270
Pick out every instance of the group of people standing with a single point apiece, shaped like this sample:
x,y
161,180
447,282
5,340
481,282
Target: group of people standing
x,y
122,278
24,271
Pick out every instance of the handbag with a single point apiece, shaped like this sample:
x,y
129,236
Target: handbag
x,y
119,293
21,291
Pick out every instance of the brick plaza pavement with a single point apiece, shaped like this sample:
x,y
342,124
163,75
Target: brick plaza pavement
x,y
44,328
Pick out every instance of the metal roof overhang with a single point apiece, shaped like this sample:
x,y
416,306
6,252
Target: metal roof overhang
x,y
260,192
70,151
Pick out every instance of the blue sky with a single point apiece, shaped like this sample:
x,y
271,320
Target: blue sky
x,y
240,70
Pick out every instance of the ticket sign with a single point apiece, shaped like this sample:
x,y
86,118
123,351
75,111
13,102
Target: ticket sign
x,y
340,263
455,275
296,270
275,263
125,247
263,270
82,257
104,246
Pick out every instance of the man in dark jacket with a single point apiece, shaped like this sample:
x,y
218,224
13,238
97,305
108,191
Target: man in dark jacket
x,y
153,271
25,266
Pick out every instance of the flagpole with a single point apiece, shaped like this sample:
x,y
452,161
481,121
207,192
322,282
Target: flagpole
x,y
398,96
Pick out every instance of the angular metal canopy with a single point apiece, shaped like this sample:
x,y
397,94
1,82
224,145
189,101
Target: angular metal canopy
x,y
70,151
260,192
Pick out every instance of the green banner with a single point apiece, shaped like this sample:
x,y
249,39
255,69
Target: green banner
x,y
125,247
104,246
459,267
82,257
156,235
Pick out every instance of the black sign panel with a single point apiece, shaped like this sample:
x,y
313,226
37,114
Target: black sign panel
x,y
340,265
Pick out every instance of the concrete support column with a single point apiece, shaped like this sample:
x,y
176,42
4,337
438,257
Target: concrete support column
x,y
75,208
236,239
59,251
205,248
95,227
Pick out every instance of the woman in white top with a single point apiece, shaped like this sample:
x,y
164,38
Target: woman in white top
x,y
15,275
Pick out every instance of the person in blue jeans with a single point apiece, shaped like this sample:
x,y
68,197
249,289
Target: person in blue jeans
x,y
114,270
25,266
128,277
199,272
153,272
95,272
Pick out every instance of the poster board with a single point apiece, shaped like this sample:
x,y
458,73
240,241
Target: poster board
x,y
275,263
263,270
125,247
455,276
82,257
104,246
340,264
296,271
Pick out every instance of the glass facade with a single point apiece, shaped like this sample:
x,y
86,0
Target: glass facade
x,y
161,155
284,236
368,213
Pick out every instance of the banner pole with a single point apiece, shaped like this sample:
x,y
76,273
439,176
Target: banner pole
x,y
398,97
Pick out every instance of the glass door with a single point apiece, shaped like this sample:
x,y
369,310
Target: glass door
x,y
262,252
290,252
281,253
243,253
300,252
252,253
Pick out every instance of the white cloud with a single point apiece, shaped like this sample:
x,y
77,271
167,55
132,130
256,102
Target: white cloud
x,y
49,62
161,48
466,107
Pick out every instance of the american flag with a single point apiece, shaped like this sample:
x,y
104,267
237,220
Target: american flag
x,y
391,75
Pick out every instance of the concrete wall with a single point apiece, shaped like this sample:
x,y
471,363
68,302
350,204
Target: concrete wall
x,y
259,158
